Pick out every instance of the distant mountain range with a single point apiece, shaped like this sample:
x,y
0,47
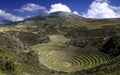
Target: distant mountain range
x,y
5,21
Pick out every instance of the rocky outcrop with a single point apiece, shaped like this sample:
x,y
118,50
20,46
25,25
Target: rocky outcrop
x,y
112,46
17,43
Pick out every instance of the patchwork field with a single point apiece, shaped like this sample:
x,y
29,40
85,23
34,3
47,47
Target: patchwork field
x,y
67,59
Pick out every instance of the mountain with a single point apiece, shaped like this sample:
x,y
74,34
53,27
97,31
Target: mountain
x,y
5,21
60,43
58,15
1,22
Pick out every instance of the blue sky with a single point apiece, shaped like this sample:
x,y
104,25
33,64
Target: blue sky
x,y
16,10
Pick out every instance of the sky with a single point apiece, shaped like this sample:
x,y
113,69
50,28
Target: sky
x,y
17,10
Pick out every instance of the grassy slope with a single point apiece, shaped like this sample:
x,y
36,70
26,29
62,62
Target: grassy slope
x,y
38,26
1,73
73,24
61,19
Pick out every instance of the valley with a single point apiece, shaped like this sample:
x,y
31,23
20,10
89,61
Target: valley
x,y
60,43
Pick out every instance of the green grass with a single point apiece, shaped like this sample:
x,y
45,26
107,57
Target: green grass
x,y
55,56
72,62
1,73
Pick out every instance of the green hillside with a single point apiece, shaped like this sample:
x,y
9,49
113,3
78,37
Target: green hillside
x,y
60,43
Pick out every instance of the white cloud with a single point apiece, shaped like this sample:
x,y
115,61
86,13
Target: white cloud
x,y
101,0
9,16
102,9
59,7
75,12
31,7
115,8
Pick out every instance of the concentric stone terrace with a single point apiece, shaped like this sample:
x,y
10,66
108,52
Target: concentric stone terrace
x,y
68,59
71,62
